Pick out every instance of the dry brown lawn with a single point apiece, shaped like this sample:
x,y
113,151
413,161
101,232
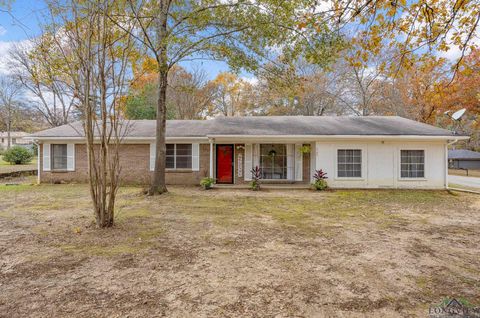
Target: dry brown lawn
x,y
236,253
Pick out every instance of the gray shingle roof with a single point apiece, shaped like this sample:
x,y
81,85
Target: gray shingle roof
x,y
269,126
463,154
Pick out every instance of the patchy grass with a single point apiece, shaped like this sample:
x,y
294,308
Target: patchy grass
x,y
463,187
6,167
237,253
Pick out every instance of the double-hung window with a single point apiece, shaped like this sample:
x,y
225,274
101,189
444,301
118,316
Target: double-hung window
x,y
412,163
59,156
349,163
273,161
179,156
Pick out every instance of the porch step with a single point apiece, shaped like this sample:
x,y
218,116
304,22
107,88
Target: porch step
x,y
290,186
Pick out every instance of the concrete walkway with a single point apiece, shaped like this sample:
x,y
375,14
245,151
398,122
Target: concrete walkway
x,y
470,182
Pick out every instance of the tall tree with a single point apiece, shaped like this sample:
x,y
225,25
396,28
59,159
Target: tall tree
x,y
417,26
301,88
241,32
464,92
41,68
188,94
10,104
96,56
230,95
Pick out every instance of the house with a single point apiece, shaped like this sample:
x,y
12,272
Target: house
x,y
356,152
463,159
16,138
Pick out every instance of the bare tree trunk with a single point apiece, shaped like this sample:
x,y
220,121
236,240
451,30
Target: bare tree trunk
x,y
9,128
97,62
158,185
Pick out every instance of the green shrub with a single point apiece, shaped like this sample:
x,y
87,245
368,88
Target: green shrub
x,y
207,183
320,185
320,182
256,176
18,155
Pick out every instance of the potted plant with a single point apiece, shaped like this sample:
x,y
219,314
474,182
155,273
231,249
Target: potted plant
x,y
207,183
305,149
256,176
320,182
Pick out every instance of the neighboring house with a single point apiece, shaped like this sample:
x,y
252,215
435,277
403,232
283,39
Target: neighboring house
x,y
356,152
463,159
16,138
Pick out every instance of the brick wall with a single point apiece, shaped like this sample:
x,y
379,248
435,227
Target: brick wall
x,y
134,162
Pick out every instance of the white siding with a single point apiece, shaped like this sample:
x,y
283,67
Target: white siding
x,y
381,164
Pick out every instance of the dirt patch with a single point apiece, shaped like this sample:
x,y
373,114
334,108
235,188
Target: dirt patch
x,y
238,253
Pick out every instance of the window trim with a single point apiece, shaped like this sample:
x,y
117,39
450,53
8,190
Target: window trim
x,y
52,156
362,164
175,157
425,177
286,161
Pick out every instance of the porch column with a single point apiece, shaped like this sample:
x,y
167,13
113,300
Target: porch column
x,y
211,158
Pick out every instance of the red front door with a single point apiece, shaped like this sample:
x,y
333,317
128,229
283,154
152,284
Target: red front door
x,y
224,163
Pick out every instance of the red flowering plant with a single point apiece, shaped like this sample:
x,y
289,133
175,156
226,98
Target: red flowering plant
x,y
256,176
320,182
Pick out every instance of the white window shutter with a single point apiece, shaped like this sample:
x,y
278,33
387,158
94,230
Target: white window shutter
x,y
298,163
70,157
248,162
290,161
152,156
195,157
46,157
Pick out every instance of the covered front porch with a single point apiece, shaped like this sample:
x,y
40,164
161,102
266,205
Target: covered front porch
x,y
280,163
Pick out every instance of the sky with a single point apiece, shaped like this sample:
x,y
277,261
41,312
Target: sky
x,y
26,16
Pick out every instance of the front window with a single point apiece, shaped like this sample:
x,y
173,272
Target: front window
x,y
179,156
59,157
273,161
349,163
412,163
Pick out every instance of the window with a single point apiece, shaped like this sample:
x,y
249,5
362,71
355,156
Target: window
x,y
179,156
273,161
59,157
412,163
349,163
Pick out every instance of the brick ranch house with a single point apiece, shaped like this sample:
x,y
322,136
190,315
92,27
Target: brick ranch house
x,y
356,152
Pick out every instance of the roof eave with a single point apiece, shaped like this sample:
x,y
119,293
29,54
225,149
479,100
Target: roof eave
x,y
283,137
323,137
